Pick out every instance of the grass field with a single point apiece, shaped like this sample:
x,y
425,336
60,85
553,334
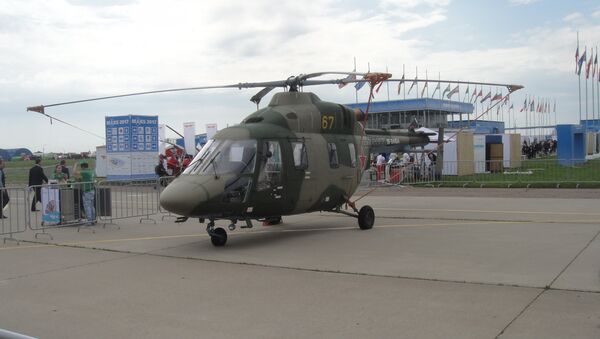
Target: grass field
x,y
17,172
533,173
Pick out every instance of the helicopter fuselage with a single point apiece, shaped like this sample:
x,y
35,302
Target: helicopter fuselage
x,y
297,155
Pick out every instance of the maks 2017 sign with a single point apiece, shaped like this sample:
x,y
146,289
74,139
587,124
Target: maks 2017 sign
x,y
131,146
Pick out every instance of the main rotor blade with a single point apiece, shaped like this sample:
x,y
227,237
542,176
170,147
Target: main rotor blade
x,y
511,87
256,98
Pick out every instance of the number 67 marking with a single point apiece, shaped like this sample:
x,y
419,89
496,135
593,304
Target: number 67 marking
x,y
327,121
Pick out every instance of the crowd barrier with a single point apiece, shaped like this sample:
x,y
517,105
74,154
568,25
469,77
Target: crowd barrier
x,y
62,205
545,172
127,199
14,216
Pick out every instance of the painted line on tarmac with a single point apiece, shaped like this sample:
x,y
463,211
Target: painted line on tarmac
x,y
342,228
485,211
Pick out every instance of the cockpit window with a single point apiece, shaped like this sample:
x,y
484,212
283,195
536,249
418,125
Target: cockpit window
x,y
223,157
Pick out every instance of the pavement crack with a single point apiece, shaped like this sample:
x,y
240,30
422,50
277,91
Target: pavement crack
x,y
549,286
520,313
59,269
574,258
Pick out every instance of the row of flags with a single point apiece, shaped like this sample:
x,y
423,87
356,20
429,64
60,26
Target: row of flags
x,y
583,60
543,106
449,92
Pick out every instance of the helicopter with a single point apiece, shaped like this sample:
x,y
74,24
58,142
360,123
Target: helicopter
x,y
299,154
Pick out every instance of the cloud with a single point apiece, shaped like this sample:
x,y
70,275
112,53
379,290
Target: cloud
x,y
522,2
576,16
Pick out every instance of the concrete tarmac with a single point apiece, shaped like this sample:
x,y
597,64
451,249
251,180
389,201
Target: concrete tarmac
x,y
435,265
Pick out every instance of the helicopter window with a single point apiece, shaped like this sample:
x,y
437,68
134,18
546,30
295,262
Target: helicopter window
x,y
300,157
352,155
223,157
270,171
194,166
333,155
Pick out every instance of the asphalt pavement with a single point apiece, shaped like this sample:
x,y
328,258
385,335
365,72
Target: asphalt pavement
x,y
436,265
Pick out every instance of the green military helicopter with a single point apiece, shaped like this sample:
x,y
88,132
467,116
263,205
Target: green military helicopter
x,y
297,155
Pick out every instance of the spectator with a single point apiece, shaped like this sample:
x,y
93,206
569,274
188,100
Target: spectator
x,y
4,199
59,175
65,169
86,177
37,179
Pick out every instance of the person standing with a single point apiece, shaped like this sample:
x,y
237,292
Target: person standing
x,y
86,177
65,169
380,166
3,194
36,179
59,175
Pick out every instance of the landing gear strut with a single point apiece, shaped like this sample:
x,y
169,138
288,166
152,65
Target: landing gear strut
x,y
366,215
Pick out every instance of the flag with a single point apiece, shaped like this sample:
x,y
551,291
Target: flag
x,y
587,67
466,94
580,63
423,90
412,85
452,92
524,105
512,106
595,64
554,106
497,96
446,90
359,85
531,105
473,95
400,83
479,94
487,96
344,81
437,88
577,60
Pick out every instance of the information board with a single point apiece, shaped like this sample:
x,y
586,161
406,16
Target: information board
x,y
131,146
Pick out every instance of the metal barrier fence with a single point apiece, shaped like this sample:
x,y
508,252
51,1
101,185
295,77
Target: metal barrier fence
x,y
546,172
62,205
127,199
13,214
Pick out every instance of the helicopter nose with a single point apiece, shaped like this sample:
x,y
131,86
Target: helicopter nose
x,y
183,195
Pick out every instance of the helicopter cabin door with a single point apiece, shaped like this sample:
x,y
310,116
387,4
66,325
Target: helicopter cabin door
x,y
269,194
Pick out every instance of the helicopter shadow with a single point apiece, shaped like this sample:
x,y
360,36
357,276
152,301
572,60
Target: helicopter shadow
x,y
286,233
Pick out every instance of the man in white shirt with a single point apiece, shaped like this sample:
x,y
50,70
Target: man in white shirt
x,y
380,166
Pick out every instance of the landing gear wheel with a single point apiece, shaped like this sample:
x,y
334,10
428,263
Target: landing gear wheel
x,y
273,221
218,237
366,217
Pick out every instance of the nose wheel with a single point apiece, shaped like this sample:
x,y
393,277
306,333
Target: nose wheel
x,y
218,236
366,217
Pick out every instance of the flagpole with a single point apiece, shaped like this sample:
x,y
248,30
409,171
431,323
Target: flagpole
x,y
355,89
387,84
586,96
579,75
416,77
598,85
403,72
527,114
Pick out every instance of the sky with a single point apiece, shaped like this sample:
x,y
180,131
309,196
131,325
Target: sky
x,y
54,51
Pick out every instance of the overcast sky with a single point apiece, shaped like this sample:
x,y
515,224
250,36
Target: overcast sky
x,y
53,51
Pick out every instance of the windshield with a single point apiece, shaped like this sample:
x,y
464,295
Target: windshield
x,y
224,156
